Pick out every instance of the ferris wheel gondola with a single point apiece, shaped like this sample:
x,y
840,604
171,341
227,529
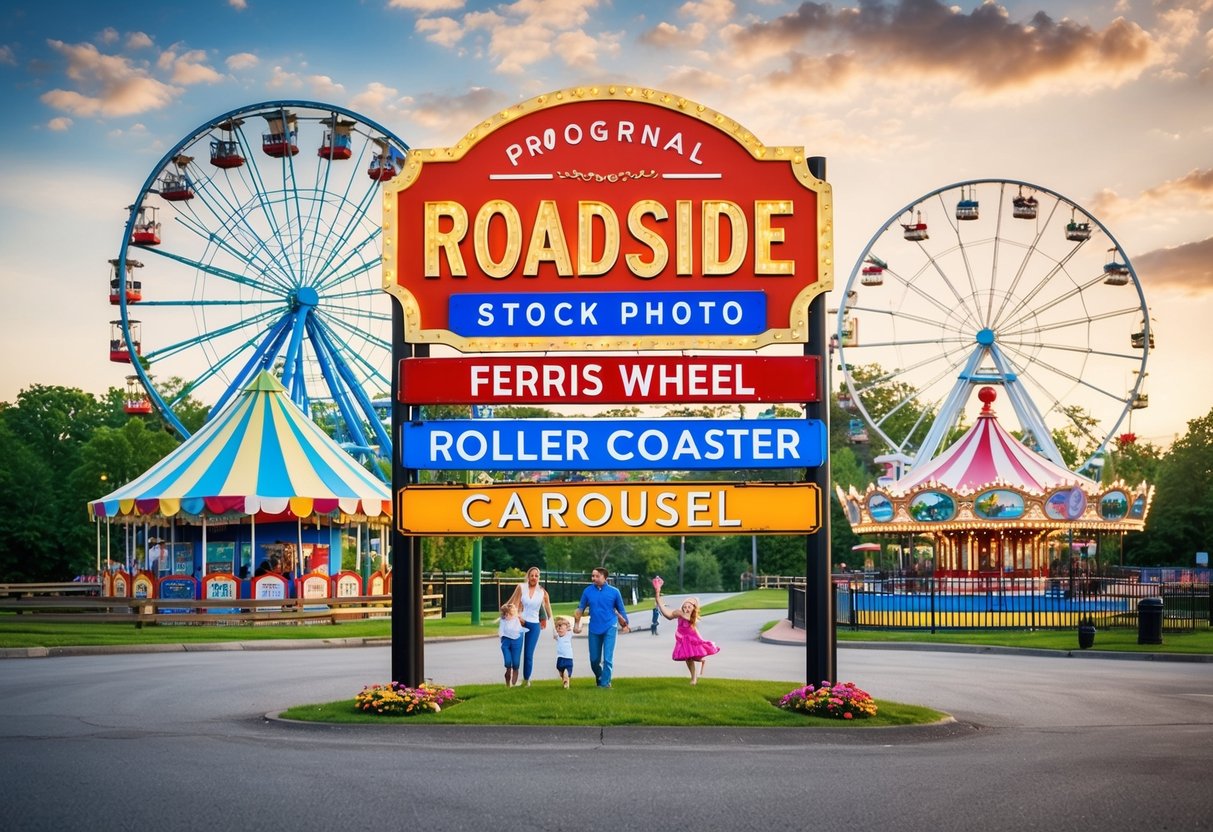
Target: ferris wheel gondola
x,y
263,258
1030,292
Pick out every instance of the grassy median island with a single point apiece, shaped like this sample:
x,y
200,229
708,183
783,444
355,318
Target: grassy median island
x,y
650,702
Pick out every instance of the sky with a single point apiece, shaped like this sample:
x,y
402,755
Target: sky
x,y
1107,103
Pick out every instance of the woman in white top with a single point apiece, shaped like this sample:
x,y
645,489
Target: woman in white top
x,y
529,598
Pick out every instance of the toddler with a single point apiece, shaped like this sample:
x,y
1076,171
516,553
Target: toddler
x,y
509,627
563,633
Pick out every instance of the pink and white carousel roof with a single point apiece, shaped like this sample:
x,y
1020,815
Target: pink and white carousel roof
x,y
987,455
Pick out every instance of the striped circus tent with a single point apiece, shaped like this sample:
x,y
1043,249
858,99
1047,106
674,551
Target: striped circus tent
x,y
987,455
260,456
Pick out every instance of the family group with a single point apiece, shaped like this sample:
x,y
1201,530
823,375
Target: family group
x,y
526,614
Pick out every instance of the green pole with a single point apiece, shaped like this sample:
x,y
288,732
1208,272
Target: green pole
x,y
477,557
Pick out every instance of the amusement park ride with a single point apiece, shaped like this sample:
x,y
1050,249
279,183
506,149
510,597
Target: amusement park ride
x,y
1018,288
263,259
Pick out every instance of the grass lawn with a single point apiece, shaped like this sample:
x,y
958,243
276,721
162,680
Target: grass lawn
x,y
16,632
630,701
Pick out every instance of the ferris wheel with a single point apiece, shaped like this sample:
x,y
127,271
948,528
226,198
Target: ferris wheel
x,y
993,282
254,244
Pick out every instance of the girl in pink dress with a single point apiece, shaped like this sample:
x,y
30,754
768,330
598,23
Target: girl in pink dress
x,y
689,646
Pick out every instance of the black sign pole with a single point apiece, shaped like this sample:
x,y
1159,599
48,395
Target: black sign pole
x,y
821,648
408,623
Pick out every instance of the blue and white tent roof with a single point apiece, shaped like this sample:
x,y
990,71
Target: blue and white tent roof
x,y
261,455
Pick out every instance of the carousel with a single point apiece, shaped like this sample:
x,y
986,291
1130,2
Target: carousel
x,y
261,494
989,505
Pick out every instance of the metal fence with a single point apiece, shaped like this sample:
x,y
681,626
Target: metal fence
x,y
496,588
864,601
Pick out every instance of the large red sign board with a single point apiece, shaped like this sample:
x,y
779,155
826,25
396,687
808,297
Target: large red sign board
x,y
607,218
608,379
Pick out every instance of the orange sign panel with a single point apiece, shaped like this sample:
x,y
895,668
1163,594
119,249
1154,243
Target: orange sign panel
x,y
597,508
607,217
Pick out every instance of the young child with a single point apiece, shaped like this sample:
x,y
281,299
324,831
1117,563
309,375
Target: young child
x,y
509,627
563,633
689,646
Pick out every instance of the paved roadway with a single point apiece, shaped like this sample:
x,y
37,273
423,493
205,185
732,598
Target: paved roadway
x,y
178,741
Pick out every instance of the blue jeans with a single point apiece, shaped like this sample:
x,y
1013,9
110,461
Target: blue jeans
x,y
602,655
531,641
511,651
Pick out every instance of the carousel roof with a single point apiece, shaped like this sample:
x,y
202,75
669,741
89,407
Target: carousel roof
x,y
259,455
986,456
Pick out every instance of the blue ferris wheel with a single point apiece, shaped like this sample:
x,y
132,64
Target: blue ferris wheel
x,y
253,244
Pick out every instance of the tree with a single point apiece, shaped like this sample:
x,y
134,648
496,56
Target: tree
x,y
27,510
1181,517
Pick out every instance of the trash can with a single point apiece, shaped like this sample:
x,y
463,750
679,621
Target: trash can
x,y
1086,633
1149,621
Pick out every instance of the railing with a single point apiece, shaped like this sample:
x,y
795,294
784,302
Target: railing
x,y
455,588
32,590
928,603
143,611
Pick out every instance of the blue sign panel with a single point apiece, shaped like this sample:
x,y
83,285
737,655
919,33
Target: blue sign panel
x,y
522,314
613,445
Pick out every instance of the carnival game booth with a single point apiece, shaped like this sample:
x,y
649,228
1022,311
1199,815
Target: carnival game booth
x,y
259,503
990,506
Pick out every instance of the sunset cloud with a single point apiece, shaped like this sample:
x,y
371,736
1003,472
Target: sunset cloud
x,y
426,6
112,85
1187,268
241,61
447,117
444,31
189,67
983,49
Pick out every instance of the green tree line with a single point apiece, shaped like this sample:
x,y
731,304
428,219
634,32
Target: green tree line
x,y
61,447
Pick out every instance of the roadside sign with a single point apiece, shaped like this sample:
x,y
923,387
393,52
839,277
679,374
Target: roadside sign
x,y
612,444
607,217
609,508
609,380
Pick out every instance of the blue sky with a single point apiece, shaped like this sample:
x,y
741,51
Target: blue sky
x,y
1110,104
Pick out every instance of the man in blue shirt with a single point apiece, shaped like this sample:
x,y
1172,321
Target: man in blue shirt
x,y
605,605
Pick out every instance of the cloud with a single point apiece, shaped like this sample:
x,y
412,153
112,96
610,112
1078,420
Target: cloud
x,y
7,56
447,117
325,87
984,49
711,12
280,78
59,124
241,61
580,51
138,40
108,35
238,5
1197,184
113,85
444,31
525,32
1187,267
189,68
426,6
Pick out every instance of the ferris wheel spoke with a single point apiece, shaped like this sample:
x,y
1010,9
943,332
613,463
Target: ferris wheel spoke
x,y
1071,322
331,273
912,285
209,336
204,232
1024,262
346,389
1040,286
213,271
1075,291
954,224
330,327
274,223
1036,361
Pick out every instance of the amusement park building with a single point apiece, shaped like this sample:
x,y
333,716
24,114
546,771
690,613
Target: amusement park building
x,y
260,483
990,505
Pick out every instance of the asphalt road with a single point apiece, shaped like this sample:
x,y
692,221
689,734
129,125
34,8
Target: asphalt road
x,y
179,741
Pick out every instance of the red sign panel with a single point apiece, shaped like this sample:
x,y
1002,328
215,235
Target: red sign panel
x,y
607,217
608,380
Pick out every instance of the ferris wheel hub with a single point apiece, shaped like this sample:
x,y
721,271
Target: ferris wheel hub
x,y
306,296
985,337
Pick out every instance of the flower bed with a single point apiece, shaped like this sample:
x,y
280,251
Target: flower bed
x,y
397,700
841,700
